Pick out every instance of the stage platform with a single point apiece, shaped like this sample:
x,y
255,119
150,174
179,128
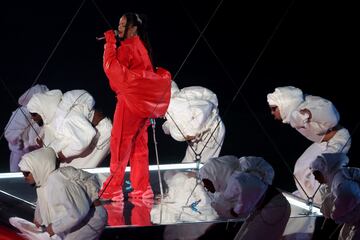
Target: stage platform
x,y
134,219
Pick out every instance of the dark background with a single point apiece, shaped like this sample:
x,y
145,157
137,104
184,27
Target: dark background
x,y
313,48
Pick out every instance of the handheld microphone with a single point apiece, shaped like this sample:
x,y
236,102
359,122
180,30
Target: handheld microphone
x,y
100,38
103,37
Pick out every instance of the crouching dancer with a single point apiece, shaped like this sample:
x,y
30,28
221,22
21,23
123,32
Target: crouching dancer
x,y
67,202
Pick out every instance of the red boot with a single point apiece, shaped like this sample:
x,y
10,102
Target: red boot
x,y
147,194
111,193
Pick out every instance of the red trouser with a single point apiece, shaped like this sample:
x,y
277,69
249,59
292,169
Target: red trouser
x,y
115,211
129,141
140,214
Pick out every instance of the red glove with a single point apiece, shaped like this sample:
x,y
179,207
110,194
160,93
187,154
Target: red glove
x,y
110,36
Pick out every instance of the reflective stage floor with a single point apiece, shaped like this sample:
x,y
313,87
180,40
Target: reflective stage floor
x,y
142,219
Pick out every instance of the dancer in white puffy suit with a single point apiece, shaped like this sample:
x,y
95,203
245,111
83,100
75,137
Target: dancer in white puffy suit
x,y
242,189
193,116
341,201
184,190
315,118
186,200
215,175
67,204
19,132
318,120
81,101
78,133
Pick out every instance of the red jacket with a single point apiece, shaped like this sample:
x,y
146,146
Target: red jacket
x,y
131,76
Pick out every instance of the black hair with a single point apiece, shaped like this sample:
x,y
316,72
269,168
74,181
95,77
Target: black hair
x,y
140,21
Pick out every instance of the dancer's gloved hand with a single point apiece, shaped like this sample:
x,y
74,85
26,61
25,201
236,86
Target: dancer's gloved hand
x,y
61,157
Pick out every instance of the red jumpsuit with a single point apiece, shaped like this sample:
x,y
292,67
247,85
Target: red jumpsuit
x,y
141,94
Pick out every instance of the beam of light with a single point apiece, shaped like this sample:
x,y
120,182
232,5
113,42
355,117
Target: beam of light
x,y
293,200
11,175
180,166
10,195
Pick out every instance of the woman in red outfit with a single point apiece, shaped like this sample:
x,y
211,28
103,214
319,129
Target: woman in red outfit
x,y
142,93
